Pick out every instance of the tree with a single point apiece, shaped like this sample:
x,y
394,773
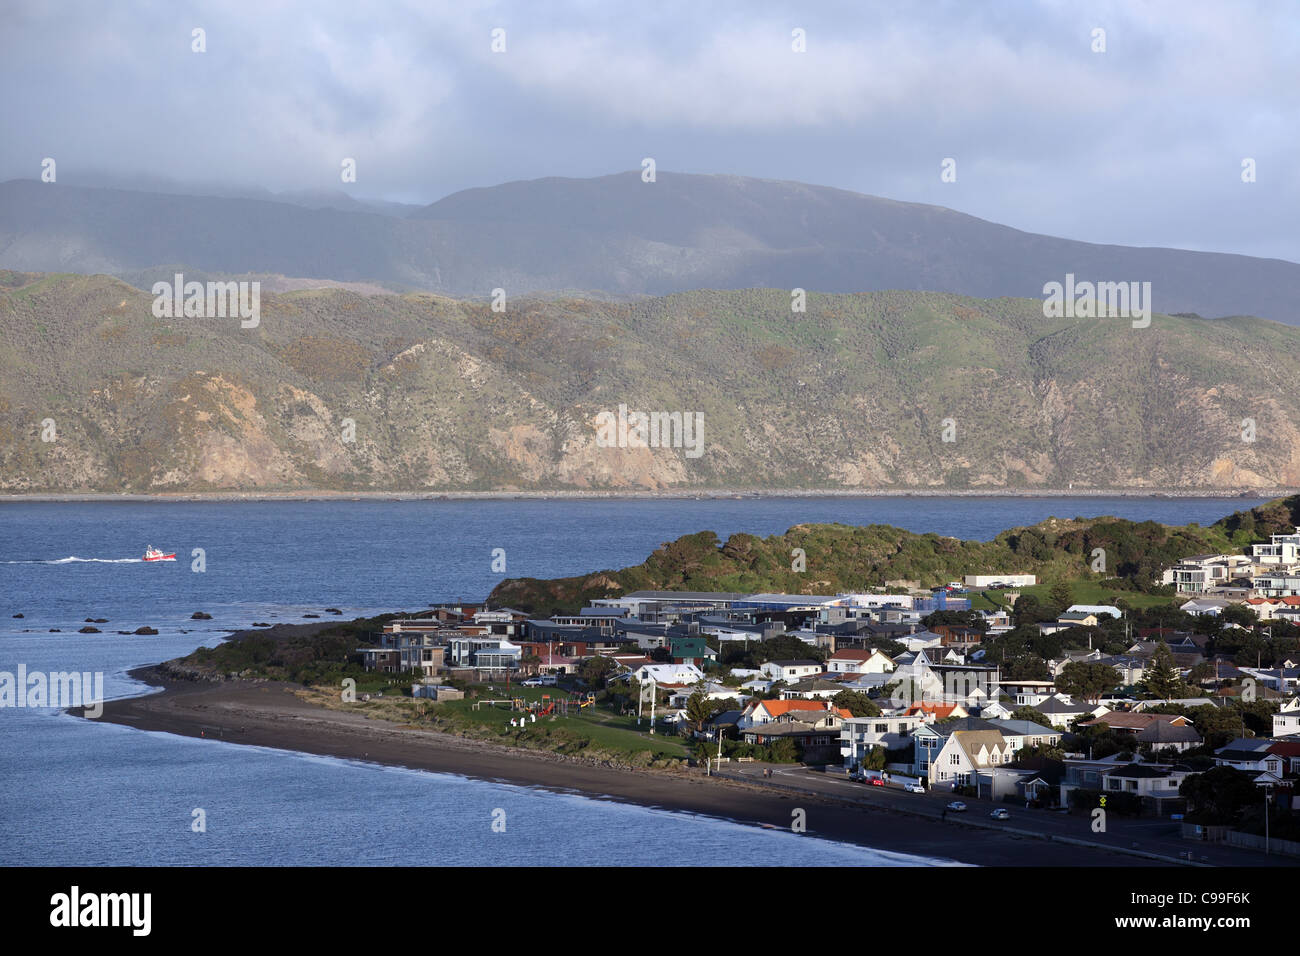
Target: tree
x,y
1161,677
596,670
875,759
856,703
1031,715
698,708
1061,594
1220,794
1087,679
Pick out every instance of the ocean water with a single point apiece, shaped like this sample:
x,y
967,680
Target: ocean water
x,y
78,792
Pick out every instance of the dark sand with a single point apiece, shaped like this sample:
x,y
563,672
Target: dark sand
x,y
268,714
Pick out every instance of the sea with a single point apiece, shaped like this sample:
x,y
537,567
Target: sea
x,y
78,792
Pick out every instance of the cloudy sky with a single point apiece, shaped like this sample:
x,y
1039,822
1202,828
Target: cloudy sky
x,y
1140,144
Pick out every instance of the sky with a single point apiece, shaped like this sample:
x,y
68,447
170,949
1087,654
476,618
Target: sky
x,y
1141,143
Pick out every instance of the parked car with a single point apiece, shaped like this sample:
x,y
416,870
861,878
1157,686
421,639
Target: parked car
x,y
957,806
1000,814
915,788
534,682
877,782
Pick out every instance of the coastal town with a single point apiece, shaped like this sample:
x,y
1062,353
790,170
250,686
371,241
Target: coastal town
x,y
992,691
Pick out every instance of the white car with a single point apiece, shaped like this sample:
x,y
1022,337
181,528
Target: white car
x,y
957,807
1000,814
915,788
534,682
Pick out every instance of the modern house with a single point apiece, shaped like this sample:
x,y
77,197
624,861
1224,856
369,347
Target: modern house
x,y
860,735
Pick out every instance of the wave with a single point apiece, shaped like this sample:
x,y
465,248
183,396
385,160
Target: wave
x,y
73,559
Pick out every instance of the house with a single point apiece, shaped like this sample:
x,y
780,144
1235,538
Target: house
x,y
859,735
928,713
1281,549
853,661
817,735
1208,607
1286,722
1061,710
1027,693
966,751
1096,610
1289,751
690,650
812,688
921,680
667,674
1200,572
1253,755
1026,733
1077,619
958,636
1158,730
766,711
791,670
1130,669
952,753
1154,784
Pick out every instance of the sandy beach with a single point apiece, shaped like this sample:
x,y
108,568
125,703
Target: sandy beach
x,y
268,714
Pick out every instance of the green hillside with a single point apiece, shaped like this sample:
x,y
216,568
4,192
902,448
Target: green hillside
x,y
843,558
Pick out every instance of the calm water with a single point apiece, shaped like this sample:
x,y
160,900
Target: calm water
x,y
76,792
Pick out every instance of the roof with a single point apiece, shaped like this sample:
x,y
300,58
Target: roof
x,y
1024,728
1127,720
940,711
1054,705
972,740
1228,754
1164,732
853,655
1136,770
779,708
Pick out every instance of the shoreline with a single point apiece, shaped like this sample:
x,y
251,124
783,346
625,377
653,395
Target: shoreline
x,y
268,714
704,494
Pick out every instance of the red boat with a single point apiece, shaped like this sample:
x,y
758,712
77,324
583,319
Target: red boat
x,y
153,554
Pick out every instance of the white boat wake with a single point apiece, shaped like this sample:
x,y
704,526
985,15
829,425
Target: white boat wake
x,y
73,559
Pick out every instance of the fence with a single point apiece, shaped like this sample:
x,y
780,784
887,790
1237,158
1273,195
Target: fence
x,y
1246,841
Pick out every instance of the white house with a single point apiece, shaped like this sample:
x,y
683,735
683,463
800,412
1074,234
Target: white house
x,y
1097,610
668,674
858,735
791,670
850,661
1208,607
1286,722
1251,754
1281,549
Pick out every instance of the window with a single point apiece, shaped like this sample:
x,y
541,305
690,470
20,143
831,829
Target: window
x,y
954,759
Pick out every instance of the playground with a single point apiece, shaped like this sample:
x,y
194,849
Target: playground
x,y
557,714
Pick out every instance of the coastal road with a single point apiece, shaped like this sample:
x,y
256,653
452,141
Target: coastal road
x,y
1158,836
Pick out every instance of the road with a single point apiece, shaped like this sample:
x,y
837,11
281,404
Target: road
x,y
1159,836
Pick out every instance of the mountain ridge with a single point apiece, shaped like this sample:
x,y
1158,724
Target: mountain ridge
x,y
615,235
